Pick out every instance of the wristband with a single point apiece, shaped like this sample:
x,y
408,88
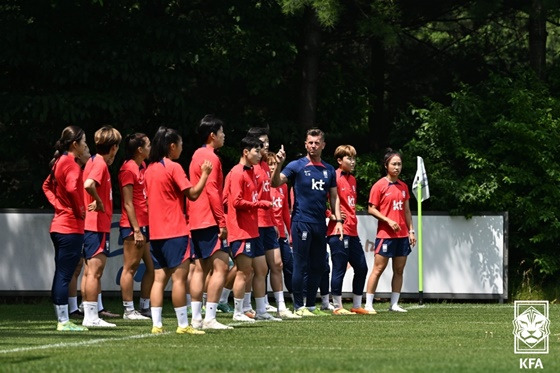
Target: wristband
x,y
412,231
339,220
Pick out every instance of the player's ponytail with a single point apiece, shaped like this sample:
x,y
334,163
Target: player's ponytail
x,y
62,145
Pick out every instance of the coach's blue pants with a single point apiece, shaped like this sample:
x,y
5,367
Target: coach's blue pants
x,y
67,254
310,245
349,250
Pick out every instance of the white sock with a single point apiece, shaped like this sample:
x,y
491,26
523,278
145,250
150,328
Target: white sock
x,y
61,312
128,305
72,304
210,310
279,297
99,302
90,311
325,300
182,318
369,300
337,301
196,309
156,316
144,303
261,305
189,300
357,301
247,302
395,298
225,295
238,305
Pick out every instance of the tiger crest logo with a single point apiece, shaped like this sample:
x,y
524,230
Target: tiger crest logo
x,y
531,328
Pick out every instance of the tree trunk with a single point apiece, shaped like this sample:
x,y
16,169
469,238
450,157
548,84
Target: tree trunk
x,y
537,38
310,51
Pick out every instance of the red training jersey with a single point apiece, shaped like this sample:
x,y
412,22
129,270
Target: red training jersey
x,y
281,209
389,198
132,174
243,203
97,170
208,209
66,193
347,195
262,174
165,182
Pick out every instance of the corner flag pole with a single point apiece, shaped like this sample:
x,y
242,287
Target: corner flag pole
x,y
420,182
420,260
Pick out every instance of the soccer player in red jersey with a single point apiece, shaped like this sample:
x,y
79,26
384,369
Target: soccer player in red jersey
x,y
242,223
98,197
64,190
389,204
208,227
166,186
350,249
270,258
133,226
282,219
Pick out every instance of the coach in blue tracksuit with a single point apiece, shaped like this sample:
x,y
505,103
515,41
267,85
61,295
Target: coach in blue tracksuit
x,y
313,182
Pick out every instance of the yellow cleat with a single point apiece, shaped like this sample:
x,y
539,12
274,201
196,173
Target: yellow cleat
x,y
189,330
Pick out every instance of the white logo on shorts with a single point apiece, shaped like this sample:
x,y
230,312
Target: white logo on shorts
x,y
384,248
304,236
248,247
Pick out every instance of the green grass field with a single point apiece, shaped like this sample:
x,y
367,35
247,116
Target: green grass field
x,y
437,337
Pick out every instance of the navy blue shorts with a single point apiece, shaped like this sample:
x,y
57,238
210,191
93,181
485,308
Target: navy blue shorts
x,y
170,252
269,238
392,247
206,242
126,232
96,243
246,247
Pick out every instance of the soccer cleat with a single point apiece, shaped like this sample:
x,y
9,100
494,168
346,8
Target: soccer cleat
x,y
318,312
225,308
270,308
329,307
304,312
342,312
287,315
98,323
109,314
69,326
250,313
370,310
188,330
242,317
157,330
134,315
266,317
214,324
147,312
78,315
197,324
360,311
397,308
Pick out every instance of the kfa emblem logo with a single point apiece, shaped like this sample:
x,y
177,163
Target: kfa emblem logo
x,y
325,174
531,327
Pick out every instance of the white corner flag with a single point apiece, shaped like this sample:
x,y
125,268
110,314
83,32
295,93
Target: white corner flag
x,y
421,179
